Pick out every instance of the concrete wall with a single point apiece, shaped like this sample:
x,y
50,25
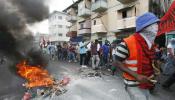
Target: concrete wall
x,y
58,25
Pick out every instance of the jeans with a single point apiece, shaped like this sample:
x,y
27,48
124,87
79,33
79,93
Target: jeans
x,y
64,54
82,59
136,93
170,81
105,59
71,56
95,61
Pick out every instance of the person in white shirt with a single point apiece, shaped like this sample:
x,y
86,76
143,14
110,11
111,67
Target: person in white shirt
x,y
88,53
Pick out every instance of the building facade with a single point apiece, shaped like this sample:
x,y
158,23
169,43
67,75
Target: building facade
x,y
58,27
100,19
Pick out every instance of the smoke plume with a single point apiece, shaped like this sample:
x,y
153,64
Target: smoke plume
x,y
16,42
15,39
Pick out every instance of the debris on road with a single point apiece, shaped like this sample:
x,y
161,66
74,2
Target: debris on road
x,y
27,96
58,88
90,73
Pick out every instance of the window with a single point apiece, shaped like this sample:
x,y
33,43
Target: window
x,y
60,34
59,17
94,22
124,14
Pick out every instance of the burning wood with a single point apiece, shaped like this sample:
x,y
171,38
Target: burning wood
x,y
38,77
56,89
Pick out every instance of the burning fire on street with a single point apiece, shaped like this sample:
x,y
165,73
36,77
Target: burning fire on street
x,y
39,77
35,75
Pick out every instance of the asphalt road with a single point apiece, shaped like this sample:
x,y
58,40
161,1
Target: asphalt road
x,y
106,87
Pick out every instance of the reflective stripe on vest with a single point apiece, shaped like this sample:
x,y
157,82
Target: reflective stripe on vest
x,y
131,64
133,68
130,61
130,82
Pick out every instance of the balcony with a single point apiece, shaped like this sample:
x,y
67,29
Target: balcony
x,y
98,29
71,19
84,27
126,1
126,23
84,12
99,6
84,31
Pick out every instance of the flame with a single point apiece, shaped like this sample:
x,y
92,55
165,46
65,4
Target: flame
x,y
35,75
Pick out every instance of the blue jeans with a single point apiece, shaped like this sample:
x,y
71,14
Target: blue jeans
x,y
71,56
105,59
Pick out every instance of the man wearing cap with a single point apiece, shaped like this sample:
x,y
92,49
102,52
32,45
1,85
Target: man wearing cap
x,y
134,56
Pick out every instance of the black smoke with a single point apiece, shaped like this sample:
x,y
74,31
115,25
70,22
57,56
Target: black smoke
x,y
33,10
16,40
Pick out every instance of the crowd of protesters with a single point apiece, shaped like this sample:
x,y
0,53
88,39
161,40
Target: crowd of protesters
x,y
88,54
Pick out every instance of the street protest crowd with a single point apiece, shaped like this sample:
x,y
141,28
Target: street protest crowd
x,y
139,58
91,53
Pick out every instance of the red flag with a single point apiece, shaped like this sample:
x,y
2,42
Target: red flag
x,y
167,22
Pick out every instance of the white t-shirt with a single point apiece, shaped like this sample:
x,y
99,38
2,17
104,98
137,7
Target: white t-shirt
x,y
98,47
89,46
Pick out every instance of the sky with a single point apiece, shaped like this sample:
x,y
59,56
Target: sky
x,y
58,5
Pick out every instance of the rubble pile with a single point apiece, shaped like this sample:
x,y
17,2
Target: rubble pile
x,y
90,73
58,88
